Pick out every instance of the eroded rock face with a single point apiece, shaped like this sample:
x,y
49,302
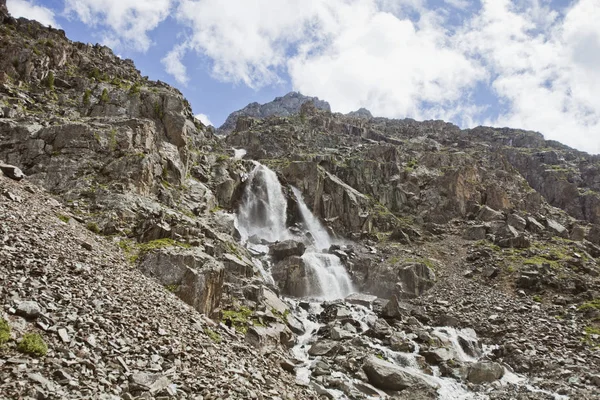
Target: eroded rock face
x,y
193,276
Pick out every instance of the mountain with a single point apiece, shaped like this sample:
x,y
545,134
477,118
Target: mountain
x,y
279,107
143,257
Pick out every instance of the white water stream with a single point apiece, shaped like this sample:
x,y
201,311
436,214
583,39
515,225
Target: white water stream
x,y
262,220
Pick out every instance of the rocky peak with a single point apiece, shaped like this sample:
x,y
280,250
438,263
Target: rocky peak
x,y
361,113
289,104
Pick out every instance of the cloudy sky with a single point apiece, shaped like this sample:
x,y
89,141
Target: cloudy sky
x,y
531,64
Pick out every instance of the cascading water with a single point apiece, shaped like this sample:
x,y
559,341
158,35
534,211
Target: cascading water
x,y
261,220
263,213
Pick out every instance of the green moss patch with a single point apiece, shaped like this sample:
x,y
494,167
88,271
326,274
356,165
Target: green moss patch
x,y
33,343
4,331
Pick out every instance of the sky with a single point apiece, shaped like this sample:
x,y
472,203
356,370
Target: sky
x,y
528,64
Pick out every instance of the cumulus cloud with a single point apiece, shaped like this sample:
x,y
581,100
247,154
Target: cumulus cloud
x,y
545,68
29,10
517,63
174,65
122,22
204,119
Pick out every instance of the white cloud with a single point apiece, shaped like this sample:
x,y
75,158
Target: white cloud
x,y
123,22
174,66
204,119
29,10
460,4
545,69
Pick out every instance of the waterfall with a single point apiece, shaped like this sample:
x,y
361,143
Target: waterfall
x,y
314,226
263,212
262,217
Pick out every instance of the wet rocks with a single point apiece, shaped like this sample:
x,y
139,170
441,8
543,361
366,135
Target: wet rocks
x,y
387,376
287,248
483,372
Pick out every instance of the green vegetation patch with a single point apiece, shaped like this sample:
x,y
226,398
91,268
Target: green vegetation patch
x,y
4,331
63,218
591,336
590,305
240,319
33,343
214,336
93,227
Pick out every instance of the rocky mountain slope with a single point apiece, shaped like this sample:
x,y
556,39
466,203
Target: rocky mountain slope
x,y
125,276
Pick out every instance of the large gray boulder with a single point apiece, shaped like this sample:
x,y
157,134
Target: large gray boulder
x,y
415,279
12,172
484,372
269,338
287,248
194,277
387,376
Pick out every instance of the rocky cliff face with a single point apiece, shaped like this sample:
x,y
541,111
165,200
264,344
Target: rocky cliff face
x,y
122,240
280,107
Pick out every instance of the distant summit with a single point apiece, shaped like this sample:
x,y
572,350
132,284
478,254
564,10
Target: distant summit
x,y
361,113
281,107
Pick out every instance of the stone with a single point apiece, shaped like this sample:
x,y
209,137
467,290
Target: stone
x,y
437,356
269,338
195,277
144,382
415,279
594,235
516,221
361,299
387,376
578,233
475,232
484,372
323,348
29,309
395,309
64,335
534,226
287,248
337,333
12,172
490,271
556,228
488,214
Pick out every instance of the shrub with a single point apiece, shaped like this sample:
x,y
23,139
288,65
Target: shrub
x,y
86,97
32,343
104,97
4,331
214,336
50,80
93,227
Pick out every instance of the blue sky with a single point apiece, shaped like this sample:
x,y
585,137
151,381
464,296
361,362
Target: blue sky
x,y
531,64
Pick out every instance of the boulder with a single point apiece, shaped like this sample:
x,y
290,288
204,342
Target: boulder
x,y
387,376
12,172
395,309
360,299
555,228
194,277
488,214
415,279
484,372
287,248
475,232
594,235
29,309
269,338
516,221
338,333
534,226
578,233
323,348
291,276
